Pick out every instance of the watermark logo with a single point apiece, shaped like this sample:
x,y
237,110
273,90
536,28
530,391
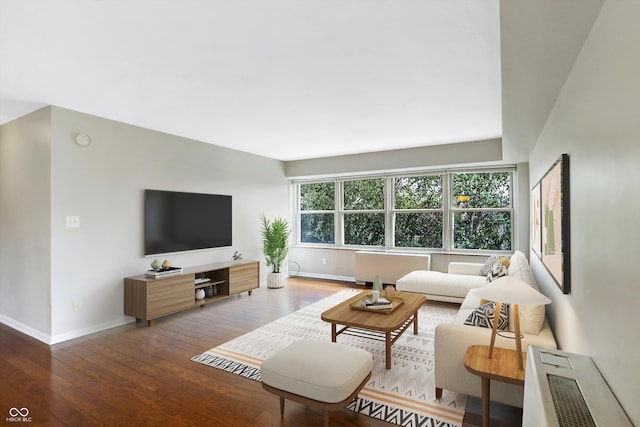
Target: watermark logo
x,y
18,415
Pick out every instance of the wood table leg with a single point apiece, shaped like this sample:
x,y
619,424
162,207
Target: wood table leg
x,y
415,323
388,349
486,401
334,335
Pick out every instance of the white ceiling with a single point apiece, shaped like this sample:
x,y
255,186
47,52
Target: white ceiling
x,y
287,79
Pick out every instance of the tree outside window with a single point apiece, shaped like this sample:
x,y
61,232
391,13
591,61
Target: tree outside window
x,y
418,213
317,206
466,210
364,216
482,214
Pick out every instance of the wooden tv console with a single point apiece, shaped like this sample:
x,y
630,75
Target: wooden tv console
x,y
147,298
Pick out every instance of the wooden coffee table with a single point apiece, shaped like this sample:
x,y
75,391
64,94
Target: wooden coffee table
x,y
387,327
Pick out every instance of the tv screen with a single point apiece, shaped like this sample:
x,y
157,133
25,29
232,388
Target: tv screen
x,y
176,221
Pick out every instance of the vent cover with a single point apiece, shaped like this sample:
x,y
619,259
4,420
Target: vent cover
x,y
564,389
570,406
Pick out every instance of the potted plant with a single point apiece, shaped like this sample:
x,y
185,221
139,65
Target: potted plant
x,y
275,245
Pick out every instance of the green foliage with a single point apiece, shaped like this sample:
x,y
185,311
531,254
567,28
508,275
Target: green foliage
x,y
479,204
481,229
317,196
418,230
275,241
316,228
364,229
364,194
485,189
418,192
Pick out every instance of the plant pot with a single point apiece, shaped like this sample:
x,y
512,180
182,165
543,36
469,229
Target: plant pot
x,y
276,280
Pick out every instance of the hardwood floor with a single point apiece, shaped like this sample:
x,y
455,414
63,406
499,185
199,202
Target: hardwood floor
x,y
134,375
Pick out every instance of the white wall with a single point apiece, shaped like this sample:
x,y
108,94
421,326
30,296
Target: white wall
x,y
25,241
595,121
463,153
103,184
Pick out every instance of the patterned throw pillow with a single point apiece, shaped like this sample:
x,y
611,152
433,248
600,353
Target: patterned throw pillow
x,y
498,270
486,268
505,261
483,316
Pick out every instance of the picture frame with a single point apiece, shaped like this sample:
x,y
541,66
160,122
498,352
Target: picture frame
x,y
555,209
536,220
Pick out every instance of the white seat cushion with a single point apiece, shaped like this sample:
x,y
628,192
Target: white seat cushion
x,y
319,370
437,283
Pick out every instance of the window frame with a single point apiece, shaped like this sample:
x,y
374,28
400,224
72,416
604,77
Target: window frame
x,y
448,209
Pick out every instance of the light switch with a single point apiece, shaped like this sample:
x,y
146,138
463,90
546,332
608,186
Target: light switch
x,y
73,221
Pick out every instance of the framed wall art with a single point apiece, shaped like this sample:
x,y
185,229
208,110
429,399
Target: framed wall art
x,y
536,220
554,213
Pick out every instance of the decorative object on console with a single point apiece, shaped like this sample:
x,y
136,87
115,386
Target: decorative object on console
x,y
275,241
156,264
161,272
513,291
236,256
166,264
200,294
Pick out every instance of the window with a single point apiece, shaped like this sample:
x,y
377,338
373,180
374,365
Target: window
x,y
364,214
448,210
481,205
418,212
317,205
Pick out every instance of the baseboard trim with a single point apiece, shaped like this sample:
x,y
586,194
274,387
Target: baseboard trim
x,y
325,276
66,336
55,339
25,329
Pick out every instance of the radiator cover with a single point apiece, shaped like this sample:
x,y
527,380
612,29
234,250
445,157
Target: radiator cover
x,y
564,389
390,266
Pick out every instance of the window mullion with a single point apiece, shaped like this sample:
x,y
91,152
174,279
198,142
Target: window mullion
x,y
389,199
339,214
447,214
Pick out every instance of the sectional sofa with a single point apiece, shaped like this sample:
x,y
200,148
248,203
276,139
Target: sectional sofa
x,y
453,339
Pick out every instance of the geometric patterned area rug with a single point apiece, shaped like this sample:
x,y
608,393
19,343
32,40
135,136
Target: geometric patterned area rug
x,y
403,395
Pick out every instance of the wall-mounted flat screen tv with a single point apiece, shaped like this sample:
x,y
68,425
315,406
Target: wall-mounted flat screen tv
x,y
176,221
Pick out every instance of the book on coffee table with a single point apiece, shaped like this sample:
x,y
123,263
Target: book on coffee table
x,y
381,303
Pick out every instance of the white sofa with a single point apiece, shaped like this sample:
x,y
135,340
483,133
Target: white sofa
x,y
452,286
453,339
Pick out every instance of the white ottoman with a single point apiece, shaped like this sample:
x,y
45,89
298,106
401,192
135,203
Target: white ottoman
x,y
319,374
